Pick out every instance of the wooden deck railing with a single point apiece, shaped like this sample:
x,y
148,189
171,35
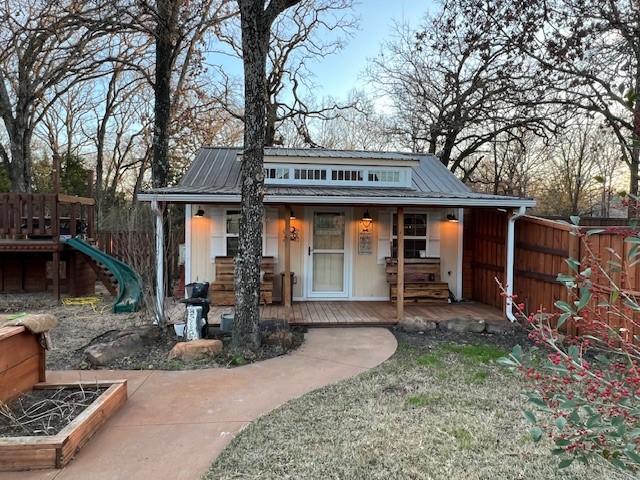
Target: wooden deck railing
x,y
44,216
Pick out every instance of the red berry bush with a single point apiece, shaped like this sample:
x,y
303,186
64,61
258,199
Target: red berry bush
x,y
585,393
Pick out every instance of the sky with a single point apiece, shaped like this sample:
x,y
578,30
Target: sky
x,y
337,74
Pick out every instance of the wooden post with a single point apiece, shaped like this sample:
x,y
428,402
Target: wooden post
x,y
400,284
286,287
55,233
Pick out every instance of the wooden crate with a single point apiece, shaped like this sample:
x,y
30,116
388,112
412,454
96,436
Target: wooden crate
x,y
56,451
421,281
221,291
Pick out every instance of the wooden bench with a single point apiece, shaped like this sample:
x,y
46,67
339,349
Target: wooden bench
x,y
422,281
222,291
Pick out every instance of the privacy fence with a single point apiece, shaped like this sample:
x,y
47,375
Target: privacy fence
x,y
541,249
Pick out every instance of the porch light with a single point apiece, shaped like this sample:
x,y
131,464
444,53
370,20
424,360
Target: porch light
x,y
452,218
199,213
292,215
366,220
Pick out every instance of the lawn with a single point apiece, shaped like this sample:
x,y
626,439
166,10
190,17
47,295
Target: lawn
x,y
440,408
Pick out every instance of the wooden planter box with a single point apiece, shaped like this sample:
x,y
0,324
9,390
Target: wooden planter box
x,y
55,451
22,370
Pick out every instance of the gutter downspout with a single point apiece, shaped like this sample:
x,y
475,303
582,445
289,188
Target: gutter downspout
x,y
511,241
159,304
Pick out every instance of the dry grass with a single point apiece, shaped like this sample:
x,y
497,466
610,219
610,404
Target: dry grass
x,y
434,411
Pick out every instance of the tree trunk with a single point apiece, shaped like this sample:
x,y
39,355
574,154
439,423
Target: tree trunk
x,y
20,166
162,90
635,155
255,43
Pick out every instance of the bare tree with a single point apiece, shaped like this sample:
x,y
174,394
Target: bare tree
x,y
453,91
256,20
46,48
306,33
586,51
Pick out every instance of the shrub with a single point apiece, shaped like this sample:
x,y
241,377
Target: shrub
x,y
586,389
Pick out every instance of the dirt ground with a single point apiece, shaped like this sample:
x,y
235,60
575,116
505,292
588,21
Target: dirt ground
x,y
440,409
82,325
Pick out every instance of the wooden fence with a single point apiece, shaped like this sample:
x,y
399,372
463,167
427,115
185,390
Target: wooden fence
x,y
542,246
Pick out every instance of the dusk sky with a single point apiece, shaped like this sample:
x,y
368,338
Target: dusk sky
x,y
337,74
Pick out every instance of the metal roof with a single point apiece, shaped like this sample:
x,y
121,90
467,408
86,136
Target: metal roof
x,y
215,174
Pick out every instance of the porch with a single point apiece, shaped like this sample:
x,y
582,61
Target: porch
x,y
368,313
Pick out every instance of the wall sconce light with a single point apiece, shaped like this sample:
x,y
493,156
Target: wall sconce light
x,y
199,213
292,215
367,220
451,217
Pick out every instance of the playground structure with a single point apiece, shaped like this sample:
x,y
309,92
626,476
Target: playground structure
x,y
41,250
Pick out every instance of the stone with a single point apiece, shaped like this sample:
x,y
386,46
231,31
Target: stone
x,y
464,325
101,354
417,324
281,338
501,328
196,349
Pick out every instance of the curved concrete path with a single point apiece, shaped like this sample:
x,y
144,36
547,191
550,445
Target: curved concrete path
x,y
176,423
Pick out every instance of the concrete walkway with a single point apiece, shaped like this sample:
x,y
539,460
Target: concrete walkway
x,y
176,423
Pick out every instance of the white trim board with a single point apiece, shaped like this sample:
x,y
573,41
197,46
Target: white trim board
x,y
342,200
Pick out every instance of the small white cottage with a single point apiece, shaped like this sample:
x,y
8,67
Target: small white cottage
x,y
334,219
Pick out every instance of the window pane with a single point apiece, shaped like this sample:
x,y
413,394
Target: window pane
x,y
412,248
233,222
232,246
328,230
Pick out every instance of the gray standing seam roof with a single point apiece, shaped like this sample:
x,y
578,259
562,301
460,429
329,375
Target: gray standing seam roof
x,y
216,170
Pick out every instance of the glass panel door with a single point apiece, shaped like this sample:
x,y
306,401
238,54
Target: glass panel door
x,y
328,253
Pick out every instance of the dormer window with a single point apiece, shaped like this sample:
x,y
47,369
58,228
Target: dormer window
x,y
343,175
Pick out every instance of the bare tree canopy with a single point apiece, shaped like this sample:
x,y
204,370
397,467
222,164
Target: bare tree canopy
x,y
305,34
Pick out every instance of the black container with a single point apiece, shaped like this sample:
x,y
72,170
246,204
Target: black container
x,y
197,290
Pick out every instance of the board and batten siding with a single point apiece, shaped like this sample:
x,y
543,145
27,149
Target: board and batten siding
x,y
368,278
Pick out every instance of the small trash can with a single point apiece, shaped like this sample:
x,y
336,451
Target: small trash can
x,y
282,287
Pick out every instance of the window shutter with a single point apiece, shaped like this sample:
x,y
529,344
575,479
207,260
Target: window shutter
x,y
384,235
218,243
271,232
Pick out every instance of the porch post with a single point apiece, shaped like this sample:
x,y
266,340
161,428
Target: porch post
x,y
510,260
400,283
157,210
286,282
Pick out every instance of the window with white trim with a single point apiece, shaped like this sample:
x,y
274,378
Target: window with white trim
x,y
416,235
343,175
309,174
277,173
385,176
346,175
232,231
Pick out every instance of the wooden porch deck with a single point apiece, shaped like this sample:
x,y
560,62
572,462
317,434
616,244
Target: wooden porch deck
x,y
349,313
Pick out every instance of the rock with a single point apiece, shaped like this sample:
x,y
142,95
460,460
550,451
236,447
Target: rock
x,y
464,325
417,324
124,345
282,338
196,349
175,313
501,328
149,335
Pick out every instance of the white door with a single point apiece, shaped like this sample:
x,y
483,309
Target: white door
x,y
327,258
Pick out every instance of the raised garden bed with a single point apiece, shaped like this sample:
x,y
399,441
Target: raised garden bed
x,y
25,396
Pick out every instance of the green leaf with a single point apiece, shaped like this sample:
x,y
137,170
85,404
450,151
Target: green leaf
x,y
536,434
564,306
595,231
516,352
562,319
565,463
562,442
531,418
575,219
561,422
573,264
615,294
585,297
